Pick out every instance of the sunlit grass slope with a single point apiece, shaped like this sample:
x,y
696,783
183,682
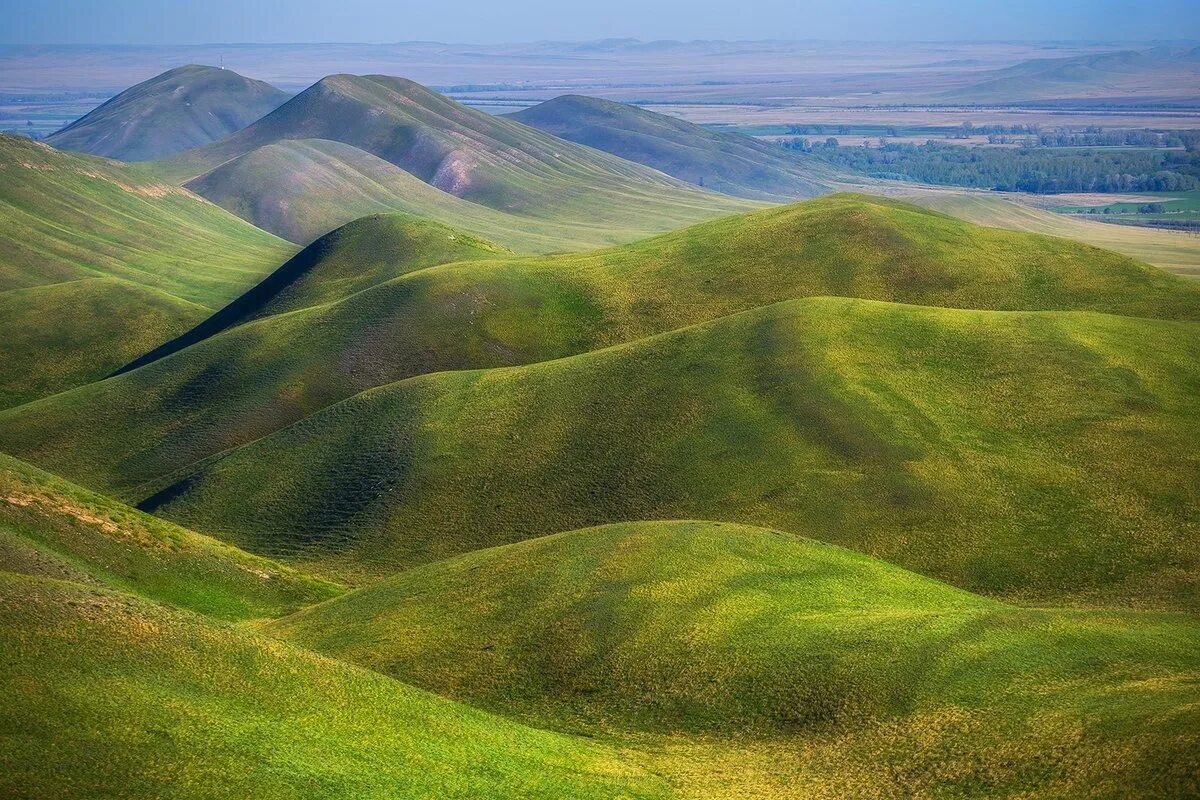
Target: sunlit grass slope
x,y
99,263
108,696
61,335
752,636
361,254
473,155
67,216
1031,456
724,162
52,528
258,377
181,108
300,189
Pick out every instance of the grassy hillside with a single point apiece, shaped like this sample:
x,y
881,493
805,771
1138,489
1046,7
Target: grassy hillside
x,y
465,152
361,254
1041,457
724,162
300,189
108,696
182,108
52,528
67,217
109,263
254,379
66,334
717,628
1174,251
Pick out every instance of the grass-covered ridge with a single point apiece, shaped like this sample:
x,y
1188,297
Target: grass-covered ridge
x,y
1034,456
470,154
258,377
106,695
724,162
52,528
302,188
99,263
182,108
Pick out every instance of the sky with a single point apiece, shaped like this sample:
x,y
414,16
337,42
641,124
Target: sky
x,y
491,21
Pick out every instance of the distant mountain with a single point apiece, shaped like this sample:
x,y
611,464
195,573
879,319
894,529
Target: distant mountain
x,y
465,152
182,108
724,162
1146,76
100,263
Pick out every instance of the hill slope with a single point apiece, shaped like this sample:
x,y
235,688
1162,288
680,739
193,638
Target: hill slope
x,y
54,529
258,377
1033,456
724,162
489,160
302,188
107,696
109,262
182,108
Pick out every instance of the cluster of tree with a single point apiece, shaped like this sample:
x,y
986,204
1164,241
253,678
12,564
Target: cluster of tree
x,y
1039,170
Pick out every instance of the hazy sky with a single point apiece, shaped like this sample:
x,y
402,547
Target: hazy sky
x,y
486,21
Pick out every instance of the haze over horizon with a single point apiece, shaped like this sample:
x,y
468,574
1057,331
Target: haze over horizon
x,y
143,22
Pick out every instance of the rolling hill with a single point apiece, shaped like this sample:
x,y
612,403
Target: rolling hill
x,y
746,635
125,434
180,109
109,262
302,188
1033,456
485,159
53,529
107,695
724,162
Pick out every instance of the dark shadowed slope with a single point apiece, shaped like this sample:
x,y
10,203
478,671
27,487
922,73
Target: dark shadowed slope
x,y
1029,455
99,263
302,188
470,154
260,376
182,108
724,162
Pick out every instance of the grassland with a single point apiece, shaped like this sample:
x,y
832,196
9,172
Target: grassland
x,y
724,162
258,377
715,644
182,108
1037,457
1173,251
106,695
99,263
54,529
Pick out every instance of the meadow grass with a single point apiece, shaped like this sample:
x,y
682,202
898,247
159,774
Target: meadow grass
x,y
258,377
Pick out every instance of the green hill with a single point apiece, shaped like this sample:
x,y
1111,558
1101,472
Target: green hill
x,y
740,633
182,108
361,254
724,162
54,529
465,152
302,188
258,377
109,262
1033,456
108,696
